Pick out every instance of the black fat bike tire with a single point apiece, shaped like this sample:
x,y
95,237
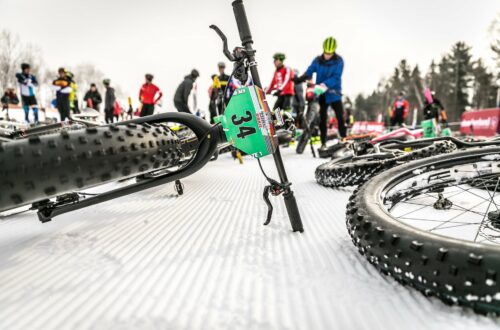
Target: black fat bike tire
x,y
344,172
302,142
42,167
312,117
456,271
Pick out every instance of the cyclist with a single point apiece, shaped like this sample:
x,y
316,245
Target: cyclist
x,y
9,97
349,112
109,101
149,95
399,111
94,96
298,101
220,83
27,83
434,109
182,93
282,83
62,85
213,92
73,97
328,68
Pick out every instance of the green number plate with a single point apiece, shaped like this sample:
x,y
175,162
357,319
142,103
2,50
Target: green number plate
x,y
428,128
247,122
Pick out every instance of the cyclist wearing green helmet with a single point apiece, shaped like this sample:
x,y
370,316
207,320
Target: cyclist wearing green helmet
x,y
282,83
328,68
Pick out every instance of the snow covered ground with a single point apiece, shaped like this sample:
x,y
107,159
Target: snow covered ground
x,y
204,261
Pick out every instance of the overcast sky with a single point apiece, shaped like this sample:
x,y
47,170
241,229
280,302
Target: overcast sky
x,y
127,38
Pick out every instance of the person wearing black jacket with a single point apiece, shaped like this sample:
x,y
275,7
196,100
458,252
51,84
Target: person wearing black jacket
x,y
223,81
435,110
94,96
182,93
298,101
9,97
62,85
109,101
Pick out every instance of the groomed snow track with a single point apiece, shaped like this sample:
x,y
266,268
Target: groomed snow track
x,y
204,261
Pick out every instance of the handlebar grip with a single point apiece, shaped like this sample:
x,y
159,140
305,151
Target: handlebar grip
x,y
242,22
293,212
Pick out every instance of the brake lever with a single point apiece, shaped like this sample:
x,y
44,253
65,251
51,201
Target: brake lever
x,y
225,48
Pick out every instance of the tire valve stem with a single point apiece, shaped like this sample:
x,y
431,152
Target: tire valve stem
x,y
442,203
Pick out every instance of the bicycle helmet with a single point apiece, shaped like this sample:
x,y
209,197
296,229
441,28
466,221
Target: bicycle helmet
x,y
279,56
106,82
330,45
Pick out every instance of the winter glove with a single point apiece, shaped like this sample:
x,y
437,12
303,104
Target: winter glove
x,y
277,92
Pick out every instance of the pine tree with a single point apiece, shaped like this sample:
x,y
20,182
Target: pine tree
x,y
415,91
460,69
484,89
432,77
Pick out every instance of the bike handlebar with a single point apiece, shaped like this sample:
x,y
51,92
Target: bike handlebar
x,y
242,22
225,48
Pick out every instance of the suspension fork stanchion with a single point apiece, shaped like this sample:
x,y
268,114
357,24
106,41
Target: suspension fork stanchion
x,y
246,39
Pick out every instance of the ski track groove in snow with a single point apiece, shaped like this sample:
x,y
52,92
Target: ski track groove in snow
x,y
205,261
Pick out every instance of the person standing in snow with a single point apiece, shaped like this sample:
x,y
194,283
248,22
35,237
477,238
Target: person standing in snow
x,y
222,80
213,93
109,101
328,68
94,96
27,83
400,110
62,85
298,102
149,95
182,93
282,84
73,96
9,97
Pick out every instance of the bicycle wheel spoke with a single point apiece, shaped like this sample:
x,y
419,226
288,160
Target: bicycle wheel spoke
x,y
461,213
485,216
492,197
449,201
452,208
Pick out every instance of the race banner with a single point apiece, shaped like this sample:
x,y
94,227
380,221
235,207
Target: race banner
x,y
364,127
481,122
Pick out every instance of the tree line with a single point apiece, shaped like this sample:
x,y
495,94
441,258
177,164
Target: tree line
x,y
459,81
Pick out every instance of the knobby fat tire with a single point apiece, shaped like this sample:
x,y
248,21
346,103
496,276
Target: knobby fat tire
x,y
456,271
41,167
344,172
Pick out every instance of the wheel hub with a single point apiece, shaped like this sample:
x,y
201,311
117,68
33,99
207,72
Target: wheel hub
x,y
494,217
442,203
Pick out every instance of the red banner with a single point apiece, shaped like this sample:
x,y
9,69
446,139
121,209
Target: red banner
x,y
480,122
364,127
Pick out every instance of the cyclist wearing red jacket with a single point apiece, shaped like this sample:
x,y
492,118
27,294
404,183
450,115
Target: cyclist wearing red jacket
x,y
148,97
399,110
282,83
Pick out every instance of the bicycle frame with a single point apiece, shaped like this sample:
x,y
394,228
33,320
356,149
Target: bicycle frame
x,y
243,60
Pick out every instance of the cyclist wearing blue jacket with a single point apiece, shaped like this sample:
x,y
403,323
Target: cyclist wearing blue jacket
x,y
328,68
